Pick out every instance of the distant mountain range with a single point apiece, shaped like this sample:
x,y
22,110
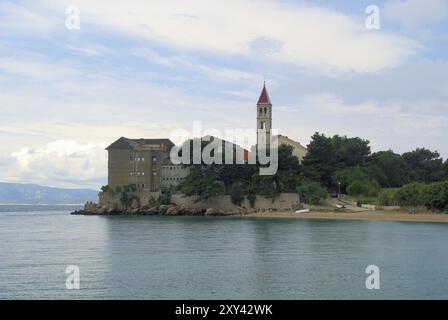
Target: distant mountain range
x,y
17,193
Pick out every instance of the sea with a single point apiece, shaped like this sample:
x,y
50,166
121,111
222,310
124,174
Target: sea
x,y
45,253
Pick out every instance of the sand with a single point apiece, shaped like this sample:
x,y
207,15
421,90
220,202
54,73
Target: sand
x,y
365,215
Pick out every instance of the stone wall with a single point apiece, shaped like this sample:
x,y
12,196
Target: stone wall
x,y
113,200
284,202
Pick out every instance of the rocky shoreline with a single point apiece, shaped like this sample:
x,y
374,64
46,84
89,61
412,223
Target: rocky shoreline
x,y
161,210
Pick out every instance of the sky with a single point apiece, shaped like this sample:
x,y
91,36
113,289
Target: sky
x,y
144,68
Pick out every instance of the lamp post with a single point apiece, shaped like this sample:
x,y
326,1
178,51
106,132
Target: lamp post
x,y
339,192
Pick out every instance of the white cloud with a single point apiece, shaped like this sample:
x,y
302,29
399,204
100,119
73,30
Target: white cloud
x,y
331,104
34,69
299,34
386,125
59,163
91,49
211,73
29,19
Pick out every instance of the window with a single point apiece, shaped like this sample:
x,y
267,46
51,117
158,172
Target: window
x,y
264,110
143,186
154,159
130,173
154,173
143,173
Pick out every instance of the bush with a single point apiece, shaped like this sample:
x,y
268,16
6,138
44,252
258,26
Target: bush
x,y
410,195
387,197
237,194
363,188
312,192
251,197
435,196
164,198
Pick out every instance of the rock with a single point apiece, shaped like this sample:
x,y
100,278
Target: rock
x,y
163,208
214,212
134,204
153,210
172,211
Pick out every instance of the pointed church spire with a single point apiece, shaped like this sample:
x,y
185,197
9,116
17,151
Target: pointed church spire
x,y
264,96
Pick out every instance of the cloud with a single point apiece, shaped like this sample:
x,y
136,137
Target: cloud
x,y
210,72
59,163
260,29
29,20
33,69
91,49
415,13
386,125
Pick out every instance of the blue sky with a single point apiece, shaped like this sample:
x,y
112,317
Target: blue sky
x,y
145,68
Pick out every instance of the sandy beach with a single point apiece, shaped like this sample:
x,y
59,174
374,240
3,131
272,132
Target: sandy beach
x,y
365,215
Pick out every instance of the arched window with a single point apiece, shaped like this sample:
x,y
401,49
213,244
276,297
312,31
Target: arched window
x,y
264,110
261,110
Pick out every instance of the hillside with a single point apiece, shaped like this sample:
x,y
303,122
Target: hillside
x,y
17,193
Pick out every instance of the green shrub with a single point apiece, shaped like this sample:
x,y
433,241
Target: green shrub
x,y
237,194
435,196
125,200
363,188
387,197
251,197
410,195
312,192
164,198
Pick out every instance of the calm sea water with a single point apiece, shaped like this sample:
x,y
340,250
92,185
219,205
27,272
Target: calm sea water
x,y
216,258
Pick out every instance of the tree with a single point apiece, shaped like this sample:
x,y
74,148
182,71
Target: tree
x,y
237,194
363,188
326,155
349,175
410,195
312,192
426,165
389,169
203,183
435,196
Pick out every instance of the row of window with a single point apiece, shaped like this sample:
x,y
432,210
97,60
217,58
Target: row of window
x,y
131,173
172,168
138,158
173,179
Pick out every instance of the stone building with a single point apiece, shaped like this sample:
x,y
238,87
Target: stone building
x,y
145,163
173,175
138,162
264,118
298,150
264,122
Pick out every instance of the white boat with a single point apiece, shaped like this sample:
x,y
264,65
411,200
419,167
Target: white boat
x,y
303,211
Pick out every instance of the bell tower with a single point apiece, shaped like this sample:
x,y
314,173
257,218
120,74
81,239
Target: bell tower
x,y
264,117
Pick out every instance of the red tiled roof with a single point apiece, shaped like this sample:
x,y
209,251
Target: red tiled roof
x,y
264,96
